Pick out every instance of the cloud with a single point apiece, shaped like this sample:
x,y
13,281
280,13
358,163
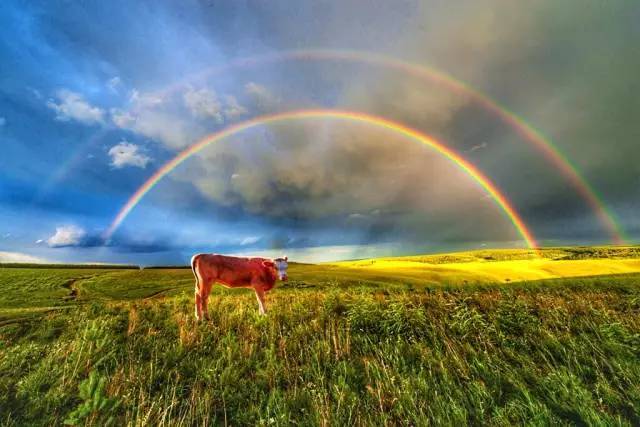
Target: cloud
x,y
114,84
233,109
72,106
477,147
204,103
157,117
357,217
127,154
263,98
3,121
67,235
251,240
141,246
35,93
346,175
18,257
178,118
165,127
145,100
76,237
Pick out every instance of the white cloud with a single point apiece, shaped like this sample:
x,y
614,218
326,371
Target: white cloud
x,y
249,240
262,97
35,93
9,257
72,106
477,147
233,108
127,154
166,127
114,84
356,217
175,119
144,100
66,235
150,115
122,119
203,103
165,119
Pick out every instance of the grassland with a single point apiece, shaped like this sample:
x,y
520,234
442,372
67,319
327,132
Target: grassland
x,y
372,342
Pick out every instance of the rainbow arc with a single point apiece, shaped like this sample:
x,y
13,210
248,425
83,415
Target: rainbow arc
x,y
412,134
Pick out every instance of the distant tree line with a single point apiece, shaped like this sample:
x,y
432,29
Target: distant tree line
x,y
75,266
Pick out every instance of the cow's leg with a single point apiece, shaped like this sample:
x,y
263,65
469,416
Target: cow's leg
x,y
204,300
198,305
260,297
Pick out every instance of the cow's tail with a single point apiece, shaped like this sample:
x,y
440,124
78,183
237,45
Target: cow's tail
x,y
194,268
198,301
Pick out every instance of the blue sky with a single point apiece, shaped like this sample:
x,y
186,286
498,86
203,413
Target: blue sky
x,y
96,96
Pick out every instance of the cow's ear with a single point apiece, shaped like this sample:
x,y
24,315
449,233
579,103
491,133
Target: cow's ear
x,y
268,263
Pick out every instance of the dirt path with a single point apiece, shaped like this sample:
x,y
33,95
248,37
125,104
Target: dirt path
x,y
157,294
73,287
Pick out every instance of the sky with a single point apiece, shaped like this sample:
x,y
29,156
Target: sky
x,y
95,97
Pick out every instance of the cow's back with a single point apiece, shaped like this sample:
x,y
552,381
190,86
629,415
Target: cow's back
x,y
233,271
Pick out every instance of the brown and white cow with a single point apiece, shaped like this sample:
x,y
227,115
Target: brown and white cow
x,y
233,272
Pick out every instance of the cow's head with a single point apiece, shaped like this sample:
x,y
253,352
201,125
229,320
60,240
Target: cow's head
x,y
281,267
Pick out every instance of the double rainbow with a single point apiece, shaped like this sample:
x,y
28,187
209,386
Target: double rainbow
x,y
413,134
528,132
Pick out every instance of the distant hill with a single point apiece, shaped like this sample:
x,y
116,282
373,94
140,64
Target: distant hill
x,y
489,255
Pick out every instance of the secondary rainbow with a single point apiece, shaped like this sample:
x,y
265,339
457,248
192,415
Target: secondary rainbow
x,y
528,132
463,164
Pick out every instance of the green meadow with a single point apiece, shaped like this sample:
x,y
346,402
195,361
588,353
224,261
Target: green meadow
x,y
486,337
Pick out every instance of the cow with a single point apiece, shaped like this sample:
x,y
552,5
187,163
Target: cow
x,y
233,272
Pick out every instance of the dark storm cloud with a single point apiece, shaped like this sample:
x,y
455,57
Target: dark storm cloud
x,y
565,68
333,174
75,237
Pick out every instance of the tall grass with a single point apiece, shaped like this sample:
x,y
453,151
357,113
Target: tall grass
x,y
540,353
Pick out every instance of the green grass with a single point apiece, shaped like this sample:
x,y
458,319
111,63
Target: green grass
x,y
340,346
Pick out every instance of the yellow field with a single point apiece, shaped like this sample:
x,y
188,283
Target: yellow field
x,y
497,266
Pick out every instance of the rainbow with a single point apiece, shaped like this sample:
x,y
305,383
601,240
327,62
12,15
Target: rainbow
x,y
61,172
463,164
528,132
